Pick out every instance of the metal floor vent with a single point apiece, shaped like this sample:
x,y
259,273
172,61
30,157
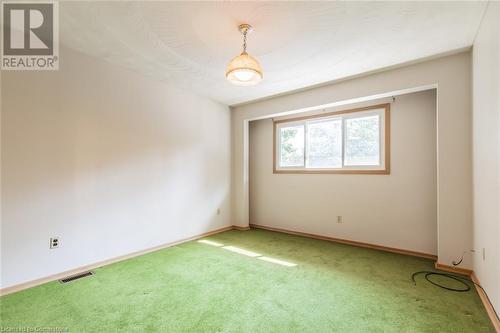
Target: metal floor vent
x,y
75,277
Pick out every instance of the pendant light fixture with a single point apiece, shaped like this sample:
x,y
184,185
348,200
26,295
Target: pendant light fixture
x,y
244,70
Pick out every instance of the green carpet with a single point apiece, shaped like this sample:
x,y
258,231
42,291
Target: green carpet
x,y
198,287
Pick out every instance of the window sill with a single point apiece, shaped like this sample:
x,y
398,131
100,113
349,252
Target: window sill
x,y
331,171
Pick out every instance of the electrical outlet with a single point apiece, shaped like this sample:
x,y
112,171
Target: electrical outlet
x,y
218,211
484,253
54,242
339,219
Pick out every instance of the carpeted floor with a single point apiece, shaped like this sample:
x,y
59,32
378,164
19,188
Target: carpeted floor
x,y
200,287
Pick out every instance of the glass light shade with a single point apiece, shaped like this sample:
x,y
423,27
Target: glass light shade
x,y
244,70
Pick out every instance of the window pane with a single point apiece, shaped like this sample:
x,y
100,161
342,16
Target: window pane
x,y
324,144
292,146
362,145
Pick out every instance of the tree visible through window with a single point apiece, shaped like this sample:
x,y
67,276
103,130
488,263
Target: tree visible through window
x,y
349,141
324,144
362,141
292,146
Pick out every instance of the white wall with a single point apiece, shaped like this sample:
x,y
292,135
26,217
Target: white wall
x,y
486,147
109,161
452,76
396,210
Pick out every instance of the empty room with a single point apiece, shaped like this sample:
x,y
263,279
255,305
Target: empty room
x,y
250,166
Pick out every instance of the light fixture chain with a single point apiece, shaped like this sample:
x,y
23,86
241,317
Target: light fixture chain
x,y
245,40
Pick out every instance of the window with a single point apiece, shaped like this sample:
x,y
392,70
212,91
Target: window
x,y
292,146
351,141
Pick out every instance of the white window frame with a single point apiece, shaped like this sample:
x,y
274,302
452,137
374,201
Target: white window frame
x,y
382,111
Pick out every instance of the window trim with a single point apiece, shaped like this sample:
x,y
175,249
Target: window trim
x,y
386,144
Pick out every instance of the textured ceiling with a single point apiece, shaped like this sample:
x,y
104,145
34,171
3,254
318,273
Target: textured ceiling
x,y
298,44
